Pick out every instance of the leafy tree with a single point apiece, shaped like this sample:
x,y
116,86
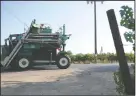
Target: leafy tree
x,y
91,57
79,57
73,58
87,57
69,52
128,21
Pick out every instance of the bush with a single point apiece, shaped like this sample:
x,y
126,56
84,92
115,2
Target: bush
x,y
120,88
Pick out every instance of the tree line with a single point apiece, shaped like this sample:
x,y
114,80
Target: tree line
x,y
101,58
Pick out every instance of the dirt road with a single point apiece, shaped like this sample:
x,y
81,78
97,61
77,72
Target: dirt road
x,y
88,79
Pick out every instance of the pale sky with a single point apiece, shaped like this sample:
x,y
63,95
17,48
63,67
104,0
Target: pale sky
x,y
76,15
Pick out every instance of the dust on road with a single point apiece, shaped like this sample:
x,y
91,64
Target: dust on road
x,y
34,76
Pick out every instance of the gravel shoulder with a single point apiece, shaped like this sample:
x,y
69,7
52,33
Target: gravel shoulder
x,y
86,79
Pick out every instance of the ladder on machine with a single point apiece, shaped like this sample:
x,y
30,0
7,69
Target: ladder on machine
x,y
16,49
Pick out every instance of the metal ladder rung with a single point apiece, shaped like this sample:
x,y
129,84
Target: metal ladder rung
x,y
12,56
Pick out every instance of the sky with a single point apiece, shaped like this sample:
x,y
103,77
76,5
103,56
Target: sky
x,y
76,15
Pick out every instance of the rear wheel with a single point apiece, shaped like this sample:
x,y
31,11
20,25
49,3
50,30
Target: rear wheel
x,y
63,62
22,63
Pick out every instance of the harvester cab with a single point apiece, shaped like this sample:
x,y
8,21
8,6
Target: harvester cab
x,y
35,47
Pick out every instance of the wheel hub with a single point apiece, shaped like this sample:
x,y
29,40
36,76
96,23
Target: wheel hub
x,y
63,61
23,63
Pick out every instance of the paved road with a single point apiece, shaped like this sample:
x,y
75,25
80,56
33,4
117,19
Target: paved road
x,y
79,79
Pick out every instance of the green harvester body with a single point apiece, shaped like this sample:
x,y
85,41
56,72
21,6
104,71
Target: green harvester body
x,y
39,45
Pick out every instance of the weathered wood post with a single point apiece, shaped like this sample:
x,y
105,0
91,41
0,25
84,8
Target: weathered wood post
x,y
129,86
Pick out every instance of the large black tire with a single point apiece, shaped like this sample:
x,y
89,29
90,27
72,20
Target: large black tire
x,y
63,62
22,63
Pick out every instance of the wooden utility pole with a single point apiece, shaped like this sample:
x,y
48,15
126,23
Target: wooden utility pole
x,y
95,32
95,29
127,80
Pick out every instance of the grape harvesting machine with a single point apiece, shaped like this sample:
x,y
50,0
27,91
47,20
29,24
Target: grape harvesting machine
x,y
38,45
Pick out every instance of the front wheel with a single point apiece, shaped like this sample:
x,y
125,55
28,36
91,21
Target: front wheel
x,y
63,62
